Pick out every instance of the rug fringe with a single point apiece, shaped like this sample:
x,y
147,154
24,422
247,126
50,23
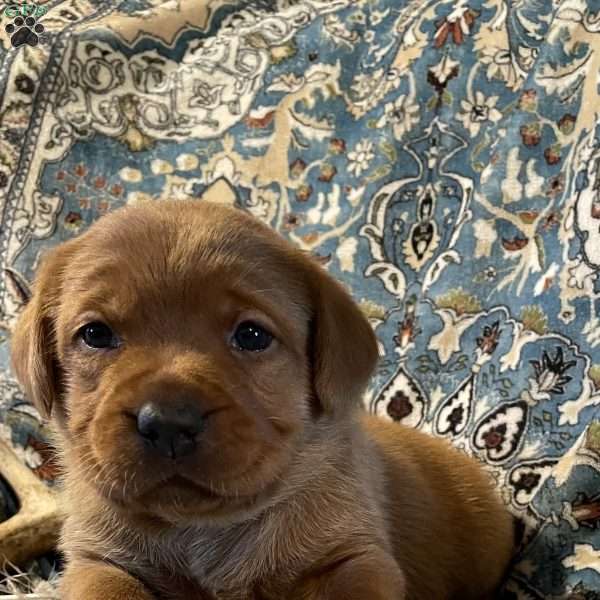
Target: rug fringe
x,y
17,585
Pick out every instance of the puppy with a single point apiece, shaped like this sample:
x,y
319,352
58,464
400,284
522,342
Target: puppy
x,y
205,381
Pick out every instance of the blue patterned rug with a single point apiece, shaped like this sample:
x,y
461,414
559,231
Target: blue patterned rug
x,y
442,158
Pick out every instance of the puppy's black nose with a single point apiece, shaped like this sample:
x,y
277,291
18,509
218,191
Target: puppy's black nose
x,y
170,427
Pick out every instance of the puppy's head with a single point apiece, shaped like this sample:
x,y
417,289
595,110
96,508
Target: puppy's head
x,y
185,351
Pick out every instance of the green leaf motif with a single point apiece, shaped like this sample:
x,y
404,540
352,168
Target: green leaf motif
x,y
539,242
534,319
379,172
389,151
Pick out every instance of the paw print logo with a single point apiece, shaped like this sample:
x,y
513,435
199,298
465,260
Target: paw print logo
x,y
24,30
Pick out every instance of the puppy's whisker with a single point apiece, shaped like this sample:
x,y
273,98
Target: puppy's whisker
x,y
124,486
276,419
112,487
135,484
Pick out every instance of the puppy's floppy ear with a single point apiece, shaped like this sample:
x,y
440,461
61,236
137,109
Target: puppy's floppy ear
x,y
344,347
33,342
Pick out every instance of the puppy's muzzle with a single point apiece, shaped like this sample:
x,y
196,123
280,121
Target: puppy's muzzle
x,y
171,427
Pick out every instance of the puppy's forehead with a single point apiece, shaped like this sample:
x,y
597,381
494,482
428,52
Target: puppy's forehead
x,y
181,247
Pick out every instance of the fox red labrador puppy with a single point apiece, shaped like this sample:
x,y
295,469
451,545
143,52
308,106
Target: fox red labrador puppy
x,y
205,381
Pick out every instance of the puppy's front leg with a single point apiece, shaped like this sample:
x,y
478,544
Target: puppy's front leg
x,y
371,574
90,580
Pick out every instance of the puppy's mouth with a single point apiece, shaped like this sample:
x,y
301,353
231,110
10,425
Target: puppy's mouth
x,y
179,482
176,499
171,486
176,488
179,501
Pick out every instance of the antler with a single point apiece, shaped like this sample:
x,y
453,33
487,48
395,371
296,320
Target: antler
x,y
34,530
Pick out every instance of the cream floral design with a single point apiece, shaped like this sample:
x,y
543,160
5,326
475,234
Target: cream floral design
x,y
478,111
360,158
401,114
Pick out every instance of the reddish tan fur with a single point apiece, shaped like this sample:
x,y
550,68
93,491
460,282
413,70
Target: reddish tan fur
x,y
293,493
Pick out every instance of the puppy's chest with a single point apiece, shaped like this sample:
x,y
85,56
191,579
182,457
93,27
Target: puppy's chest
x,y
237,565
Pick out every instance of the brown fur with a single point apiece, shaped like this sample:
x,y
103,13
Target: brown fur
x,y
293,493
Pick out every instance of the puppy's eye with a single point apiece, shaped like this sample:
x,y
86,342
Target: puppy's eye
x,y
252,337
98,335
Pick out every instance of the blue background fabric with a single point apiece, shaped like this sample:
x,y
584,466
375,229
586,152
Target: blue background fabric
x,y
441,158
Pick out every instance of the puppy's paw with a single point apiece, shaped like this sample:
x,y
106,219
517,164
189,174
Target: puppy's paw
x,y
99,581
371,574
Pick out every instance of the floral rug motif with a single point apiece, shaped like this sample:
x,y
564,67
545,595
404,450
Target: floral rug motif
x,y
442,158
